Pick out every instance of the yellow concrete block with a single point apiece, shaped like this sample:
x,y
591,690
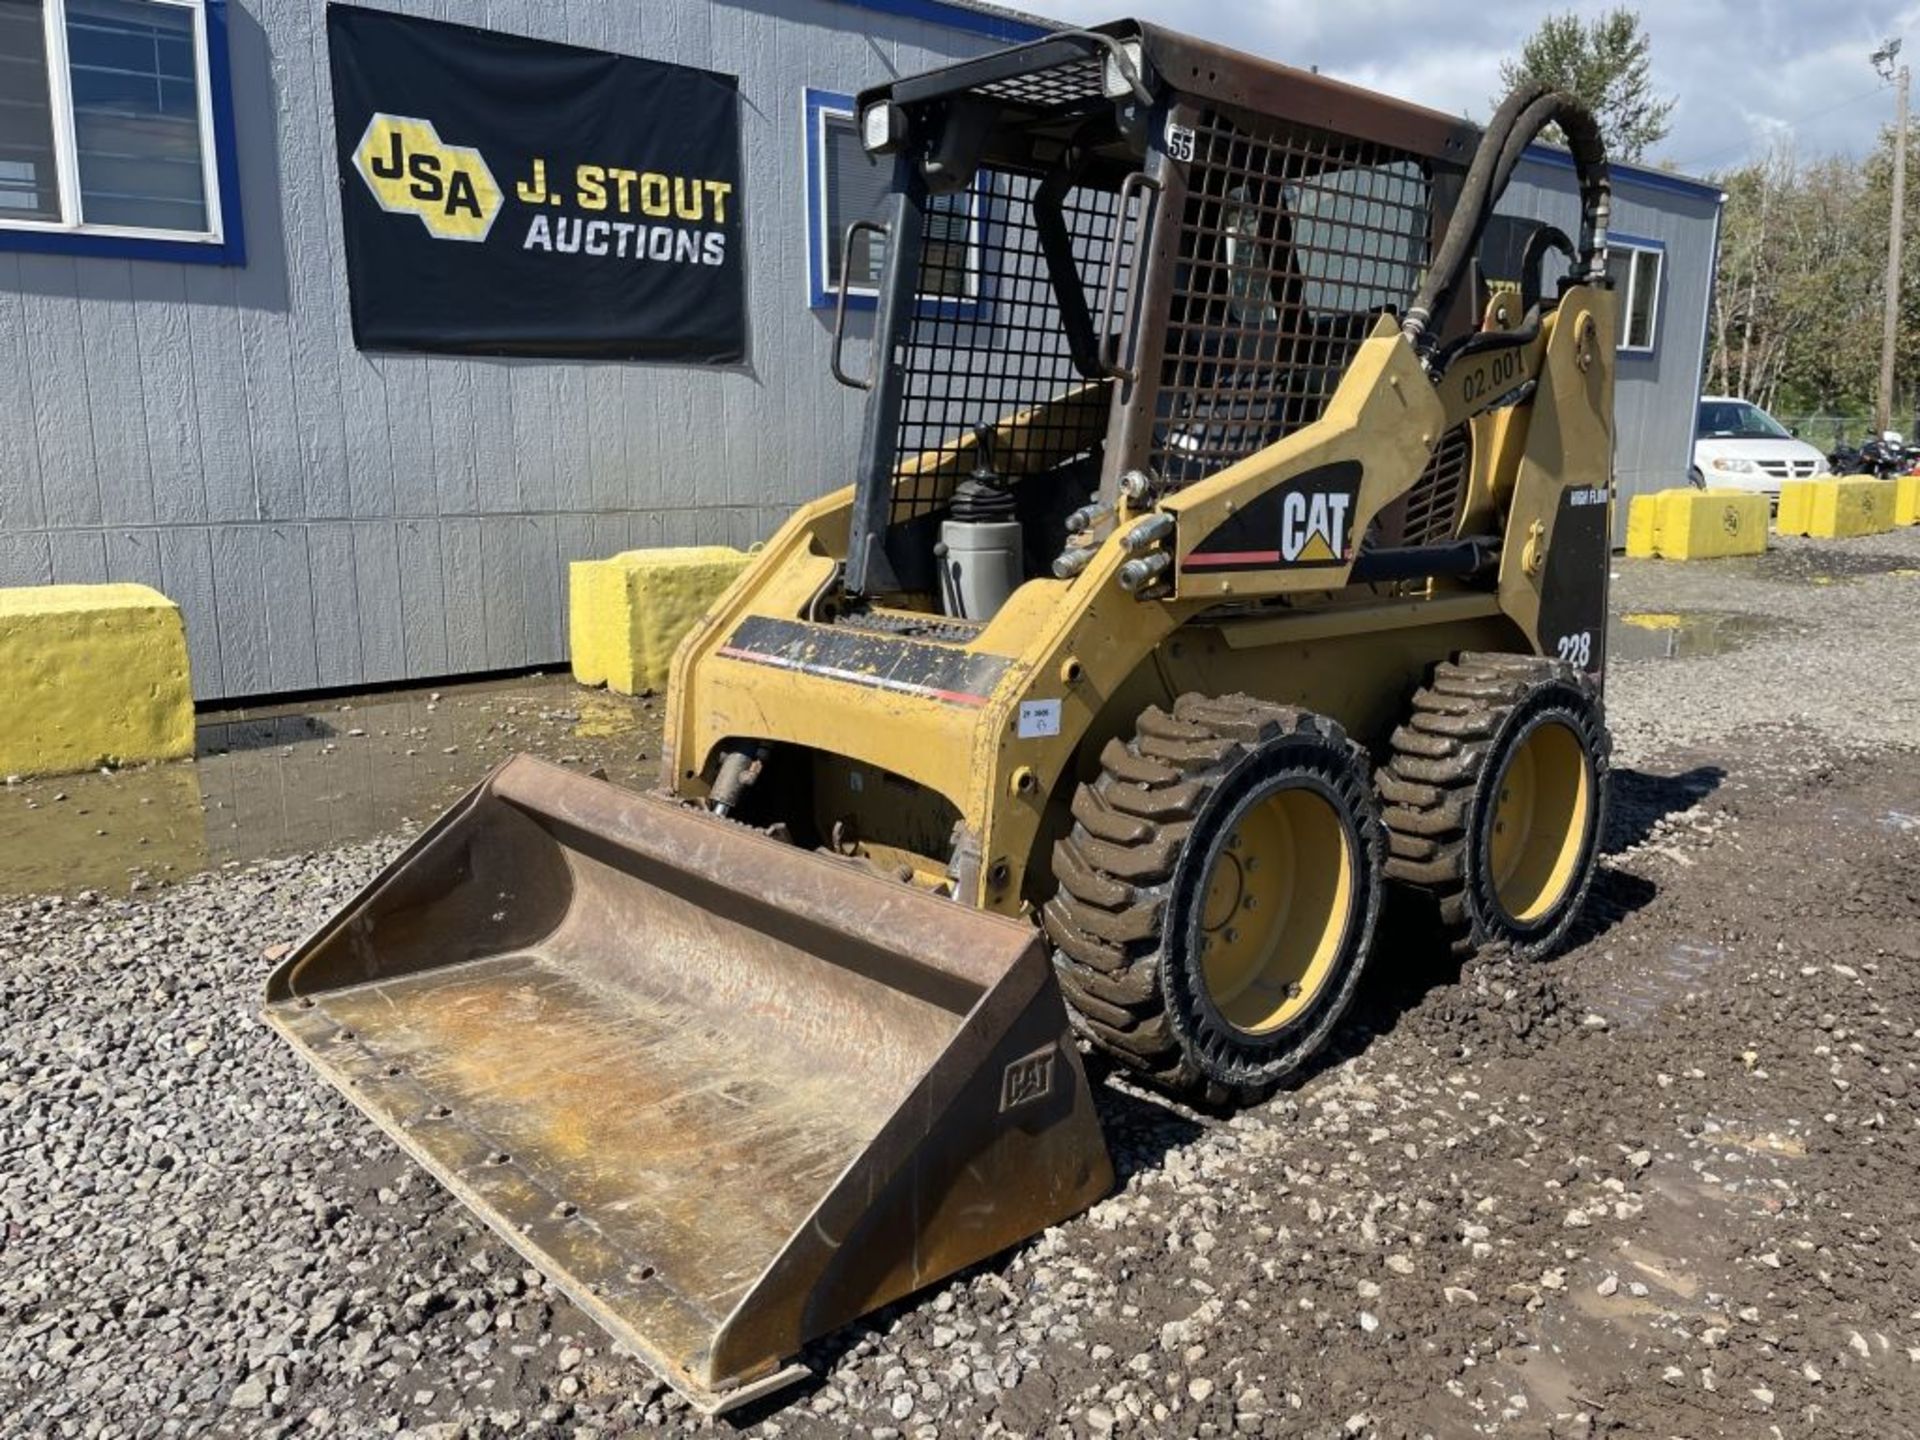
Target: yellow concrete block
x,y
1643,526
93,675
1852,506
1795,512
1697,524
1711,524
1906,500
629,614
594,591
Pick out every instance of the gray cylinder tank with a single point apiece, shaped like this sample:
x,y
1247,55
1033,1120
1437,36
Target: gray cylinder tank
x,y
980,566
979,550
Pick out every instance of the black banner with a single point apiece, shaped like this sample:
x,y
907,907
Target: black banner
x,y
504,196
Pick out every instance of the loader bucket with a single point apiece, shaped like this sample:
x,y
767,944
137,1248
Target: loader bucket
x,y
726,1093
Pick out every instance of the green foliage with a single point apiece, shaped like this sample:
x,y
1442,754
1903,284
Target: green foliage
x,y
1603,63
1797,298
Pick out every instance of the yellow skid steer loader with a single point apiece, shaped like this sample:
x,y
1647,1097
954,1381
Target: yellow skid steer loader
x,y
1218,553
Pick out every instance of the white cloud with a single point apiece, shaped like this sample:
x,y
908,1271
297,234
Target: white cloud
x,y
1746,76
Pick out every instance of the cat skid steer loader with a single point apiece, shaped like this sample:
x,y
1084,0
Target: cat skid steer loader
x,y
1217,554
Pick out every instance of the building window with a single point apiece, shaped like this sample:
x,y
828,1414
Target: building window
x,y
113,117
846,184
1635,270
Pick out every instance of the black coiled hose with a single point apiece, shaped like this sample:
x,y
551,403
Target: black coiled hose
x,y
1521,117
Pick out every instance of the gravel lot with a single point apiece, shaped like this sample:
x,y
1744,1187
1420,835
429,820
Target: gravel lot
x,y
1662,1185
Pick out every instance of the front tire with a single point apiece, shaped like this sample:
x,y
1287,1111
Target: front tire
x,y
1218,894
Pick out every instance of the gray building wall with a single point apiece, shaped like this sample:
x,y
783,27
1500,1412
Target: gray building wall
x,y
1656,396
326,517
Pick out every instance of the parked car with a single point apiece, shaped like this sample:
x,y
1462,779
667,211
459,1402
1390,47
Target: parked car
x,y
1738,446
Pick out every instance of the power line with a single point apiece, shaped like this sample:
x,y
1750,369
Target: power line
x,y
1693,166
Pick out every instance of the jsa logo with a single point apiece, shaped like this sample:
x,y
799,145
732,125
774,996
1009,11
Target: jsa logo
x,y
1313,527
411,171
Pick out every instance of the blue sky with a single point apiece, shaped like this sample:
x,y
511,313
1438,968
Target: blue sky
x,y
1747,76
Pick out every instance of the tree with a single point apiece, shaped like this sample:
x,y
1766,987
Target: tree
x,y
1603,63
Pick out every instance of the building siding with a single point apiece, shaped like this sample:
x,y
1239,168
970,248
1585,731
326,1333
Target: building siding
x,y
331,518
326,517
1656,397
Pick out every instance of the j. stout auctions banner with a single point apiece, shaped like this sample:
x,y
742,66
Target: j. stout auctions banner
x,y
504,196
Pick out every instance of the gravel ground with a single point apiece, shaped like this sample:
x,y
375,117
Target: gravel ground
x,y
1661,1185
1821,636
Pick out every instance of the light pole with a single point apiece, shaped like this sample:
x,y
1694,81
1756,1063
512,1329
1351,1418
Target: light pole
x,y
1883,59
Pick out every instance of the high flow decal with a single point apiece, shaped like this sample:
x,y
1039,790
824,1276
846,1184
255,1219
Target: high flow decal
x,y
919,668
1301,524
507,196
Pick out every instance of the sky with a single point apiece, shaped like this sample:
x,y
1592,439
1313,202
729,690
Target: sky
x,y
1747,76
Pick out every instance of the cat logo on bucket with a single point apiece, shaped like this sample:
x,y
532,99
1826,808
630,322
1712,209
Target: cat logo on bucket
x,y
412,171
1027,1079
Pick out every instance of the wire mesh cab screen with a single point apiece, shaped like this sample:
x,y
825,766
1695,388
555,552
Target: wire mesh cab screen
x,y
1291,243
987,342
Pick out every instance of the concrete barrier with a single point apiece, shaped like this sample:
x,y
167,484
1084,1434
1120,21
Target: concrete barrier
x,y
94,675
1833,508
1906,500
1696,524
627,614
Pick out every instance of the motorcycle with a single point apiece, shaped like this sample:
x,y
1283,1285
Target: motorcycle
x,y
1882,456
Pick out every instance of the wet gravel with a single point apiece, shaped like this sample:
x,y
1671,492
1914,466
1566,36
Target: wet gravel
x,y
1831,645
1661,1185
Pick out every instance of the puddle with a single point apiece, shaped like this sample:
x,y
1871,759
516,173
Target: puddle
x,y
1630,1000
1659,635
282,780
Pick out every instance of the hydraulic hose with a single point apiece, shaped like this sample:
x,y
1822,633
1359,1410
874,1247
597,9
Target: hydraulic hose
x,y
1521,117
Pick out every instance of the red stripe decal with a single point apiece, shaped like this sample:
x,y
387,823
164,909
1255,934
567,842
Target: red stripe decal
x,y
1231,557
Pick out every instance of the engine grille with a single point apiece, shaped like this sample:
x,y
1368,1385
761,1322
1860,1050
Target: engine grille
x,y
1433,504
1291,244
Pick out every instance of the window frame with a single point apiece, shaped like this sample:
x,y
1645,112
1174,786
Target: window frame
x,y
822,294
222,242
1631,245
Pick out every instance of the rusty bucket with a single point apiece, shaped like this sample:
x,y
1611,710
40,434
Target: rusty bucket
x,y
727,1094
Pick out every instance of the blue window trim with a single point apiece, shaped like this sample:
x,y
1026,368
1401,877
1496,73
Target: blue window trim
x,y
1009,29
231,248
820,294
1642,242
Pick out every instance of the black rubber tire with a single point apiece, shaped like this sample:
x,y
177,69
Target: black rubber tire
x,y
1438,792
1129,877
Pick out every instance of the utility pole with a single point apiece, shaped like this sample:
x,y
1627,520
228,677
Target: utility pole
x,y
1883,59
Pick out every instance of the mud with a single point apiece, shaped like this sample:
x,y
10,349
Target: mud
x,y
280,780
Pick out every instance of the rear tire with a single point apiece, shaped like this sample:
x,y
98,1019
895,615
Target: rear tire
x,y
1495,799
1217,896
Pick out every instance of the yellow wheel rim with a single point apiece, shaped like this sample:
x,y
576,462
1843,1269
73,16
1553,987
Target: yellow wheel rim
x,y
1275,909
1540,821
